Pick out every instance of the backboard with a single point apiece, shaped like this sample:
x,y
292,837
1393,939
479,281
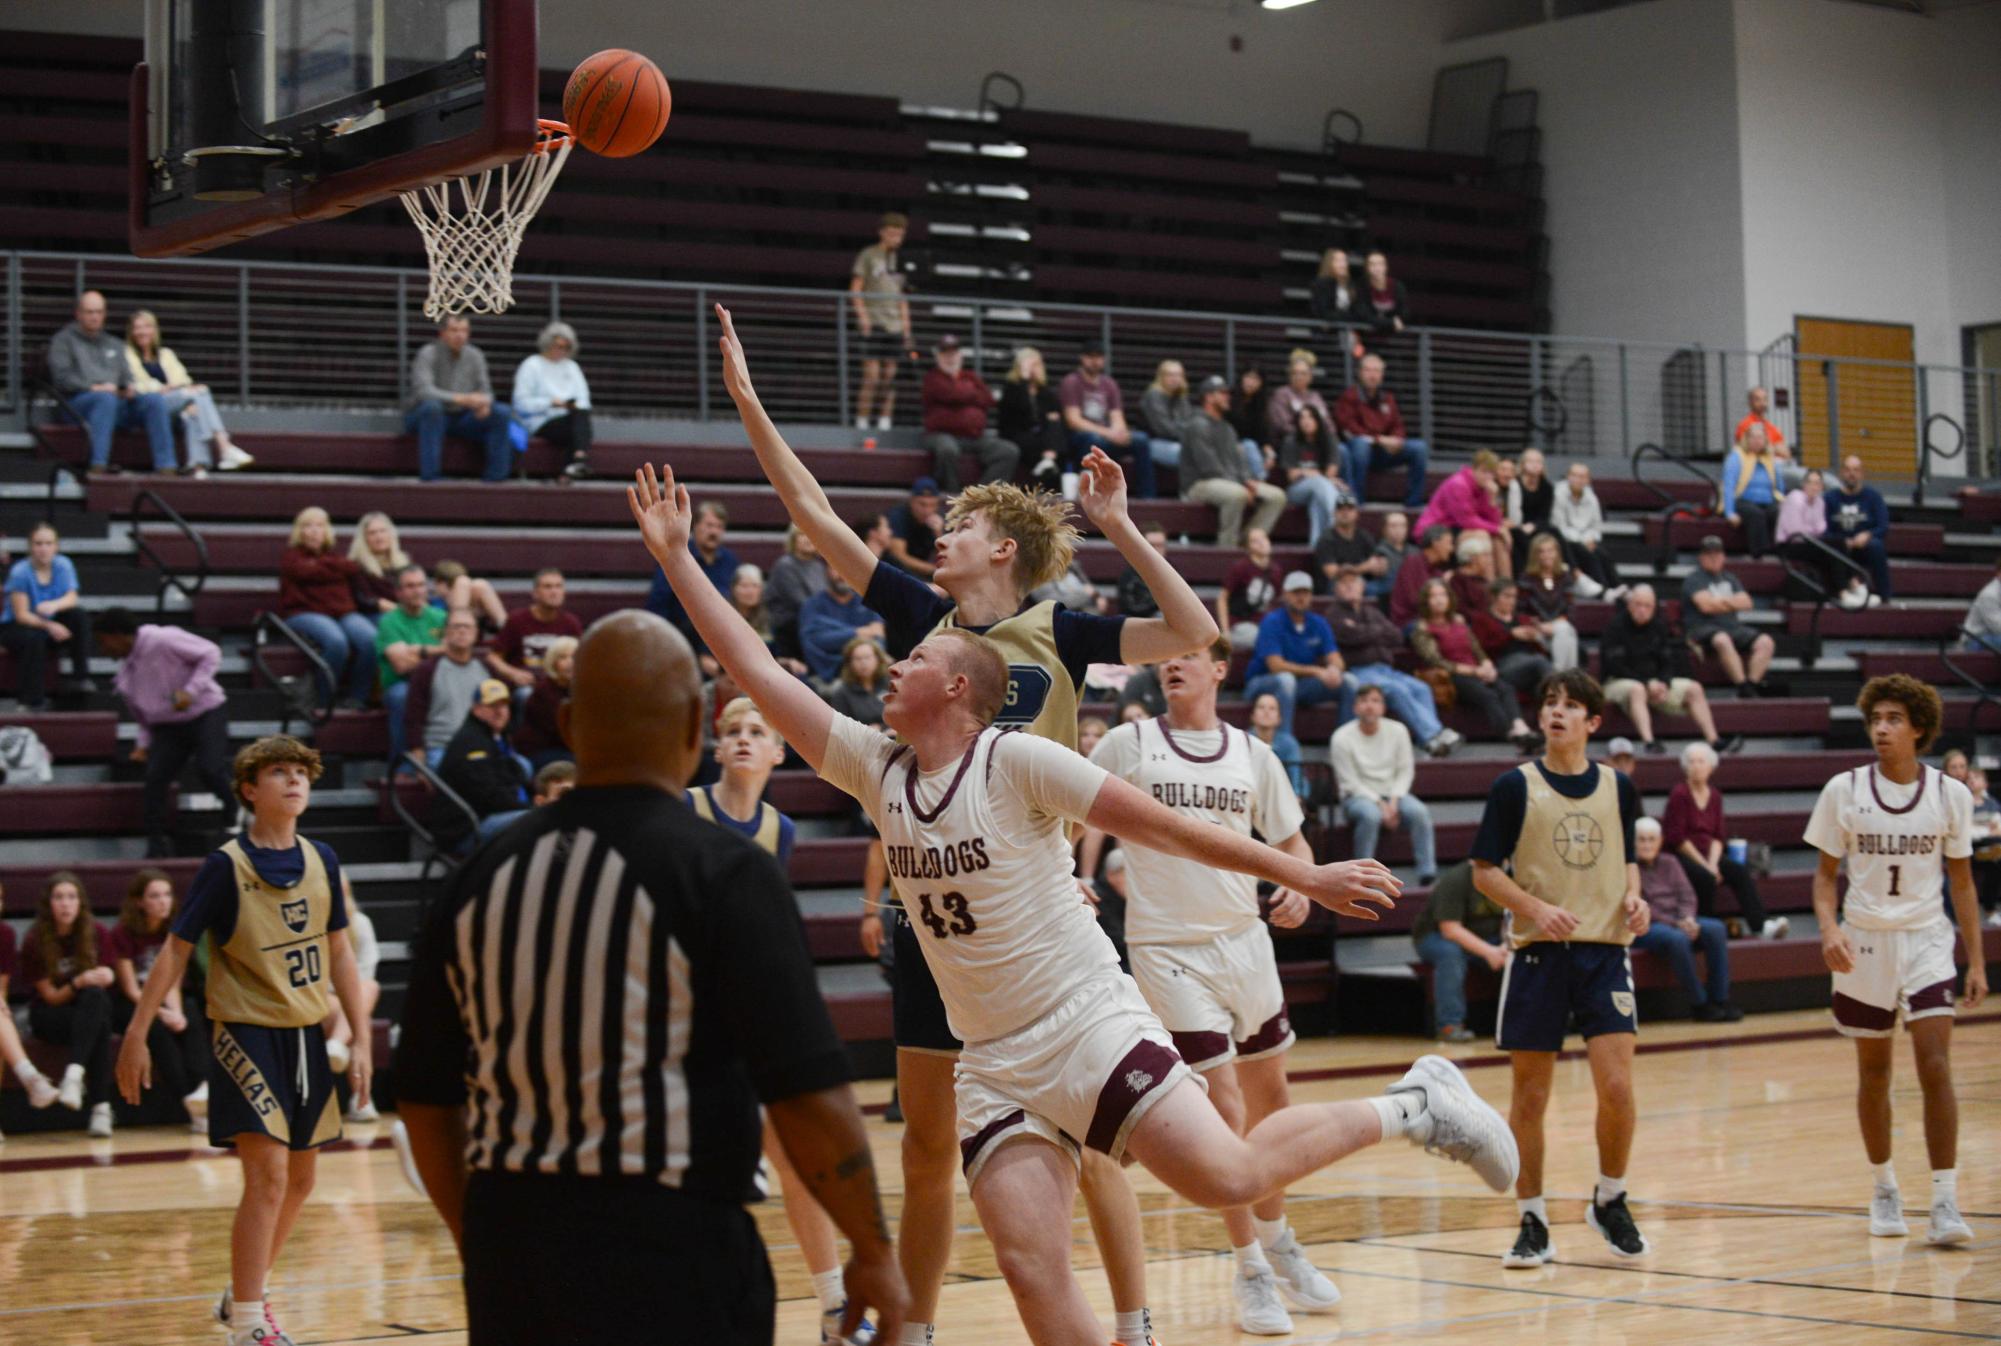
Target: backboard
x,y
255,115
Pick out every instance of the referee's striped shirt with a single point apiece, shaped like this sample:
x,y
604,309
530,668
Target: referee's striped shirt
x,y
610,988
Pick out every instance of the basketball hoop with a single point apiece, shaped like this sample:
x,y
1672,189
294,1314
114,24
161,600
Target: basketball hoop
x,y
472,238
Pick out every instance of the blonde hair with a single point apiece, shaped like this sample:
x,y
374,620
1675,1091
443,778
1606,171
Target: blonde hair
x,y
1302,356
1037,521
359,552
557,648
1160,374
1487,459
306,516
1017,373
159,333
984,667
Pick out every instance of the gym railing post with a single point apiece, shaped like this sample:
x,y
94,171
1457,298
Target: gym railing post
x,y
701,353
403,331
1230,350
841,356
1832,373
1424,389
243,332
1625,408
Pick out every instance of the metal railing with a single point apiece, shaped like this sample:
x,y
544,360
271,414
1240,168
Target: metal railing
x,y
1815,584
143,552
1928,451
319,684
1672,506
1984,693
435,853
340,339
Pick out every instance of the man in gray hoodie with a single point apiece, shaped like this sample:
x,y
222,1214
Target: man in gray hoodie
x,y
87,365
1213,470
451,394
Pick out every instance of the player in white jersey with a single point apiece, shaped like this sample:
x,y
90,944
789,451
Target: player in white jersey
x,y
1902,828
1060,1050
1200,953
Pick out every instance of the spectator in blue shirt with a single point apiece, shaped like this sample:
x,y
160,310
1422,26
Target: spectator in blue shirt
x,y
1751,490
1295,658
718,562
42,613
1858,522
828,621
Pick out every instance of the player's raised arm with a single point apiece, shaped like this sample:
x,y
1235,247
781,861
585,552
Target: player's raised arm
x,y
804,500
1347,887
661,509
1183,624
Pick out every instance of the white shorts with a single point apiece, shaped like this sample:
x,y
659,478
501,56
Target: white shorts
x,y
1221,1001
1082,1074
1908,970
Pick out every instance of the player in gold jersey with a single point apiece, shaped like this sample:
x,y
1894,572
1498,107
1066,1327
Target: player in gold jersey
x,y
268,902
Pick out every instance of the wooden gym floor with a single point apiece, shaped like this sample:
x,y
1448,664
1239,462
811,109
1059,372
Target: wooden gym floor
x,y
1747,1176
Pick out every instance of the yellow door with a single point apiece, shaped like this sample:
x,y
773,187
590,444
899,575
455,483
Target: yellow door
x,y
1874,409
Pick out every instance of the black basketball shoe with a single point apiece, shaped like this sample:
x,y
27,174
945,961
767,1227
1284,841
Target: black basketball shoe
x,y
1532,1246
1615,1222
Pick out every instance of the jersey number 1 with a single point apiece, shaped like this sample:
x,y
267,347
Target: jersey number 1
x,y
1896,873
962,922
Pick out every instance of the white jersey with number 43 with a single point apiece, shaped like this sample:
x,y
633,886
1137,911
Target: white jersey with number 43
x,y
979,852
1896,840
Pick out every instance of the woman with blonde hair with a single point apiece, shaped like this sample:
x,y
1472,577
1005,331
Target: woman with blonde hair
x,y
1164,406
1031,415
795,577
156,369
1333,296
316,599
377,552
1545,598
539,736
553,398
1282,410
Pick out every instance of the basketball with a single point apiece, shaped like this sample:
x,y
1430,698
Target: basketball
x,y
617,103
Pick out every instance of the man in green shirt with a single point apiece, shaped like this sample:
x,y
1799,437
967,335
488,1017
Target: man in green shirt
x,y
1456,926
404,638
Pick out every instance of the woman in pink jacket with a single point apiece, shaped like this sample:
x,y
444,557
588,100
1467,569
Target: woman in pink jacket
x,y
1466,500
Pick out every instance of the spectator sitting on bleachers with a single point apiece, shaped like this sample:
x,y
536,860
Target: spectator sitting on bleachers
x,y
1094,417
716,560
1266,714
1382,305
1310,461
1375,768
316,599
88,368
1135,597
1525,504
957,405
452,587
795,577
856,690
339,1032
1545,584
1369,643
178,1038
1643,665
1031,415
1693,830
1464,502
1332,297
1472,578
1444,640
554,781
1432,560
156,369
1373,434
1956,765
539,735
1394,547
1284,403
63,965
1752,490
481,767
1250,405
882,316
1619,756
1983,618
913,529
1858,524
1801,526
553,398
747,597
1348,548
1456,923
524,642
1213,471
44,615
1072,589
407,635
452,394
1986,845
829,621
1163,407
442,688
1676,930
1757,404
1141,698
1579,520
379,558
1250,590
167,676
41,1089
1512,641
1295,658
1711,598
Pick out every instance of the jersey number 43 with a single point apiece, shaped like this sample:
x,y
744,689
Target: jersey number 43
x,y
961,922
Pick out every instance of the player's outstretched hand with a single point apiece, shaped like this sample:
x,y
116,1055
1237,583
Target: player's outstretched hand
x,y
1101,491
736,372
1837,952
135,1068
1976,986
874,1281
660,508
1351,887
1289,910
1638,914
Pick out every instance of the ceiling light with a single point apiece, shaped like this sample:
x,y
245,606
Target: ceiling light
x,y
1285,4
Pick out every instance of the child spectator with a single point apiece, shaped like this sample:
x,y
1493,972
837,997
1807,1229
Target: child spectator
x,y
864,677
41,1090
316,599
883,316
268,904
1249,591
43,615
539,736
156,369
553,398
528,633
453,587
554,781
179,1035
62,961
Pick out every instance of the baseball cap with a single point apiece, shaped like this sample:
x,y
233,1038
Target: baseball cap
x,y
948,342
493,692
1712,543
1215,383
1091,346
1298,579
924,486
1619,747
1346,501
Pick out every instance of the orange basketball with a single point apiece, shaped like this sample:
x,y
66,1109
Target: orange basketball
x,y
617,103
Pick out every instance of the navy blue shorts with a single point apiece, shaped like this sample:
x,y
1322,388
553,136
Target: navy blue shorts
x,y
1549,986
916,1008
274,1082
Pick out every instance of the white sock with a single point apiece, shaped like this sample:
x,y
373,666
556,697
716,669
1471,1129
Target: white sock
x,y
1252,1254
25,1071
1886,1176
1532,1205
1397,1111
243,1312
1610,1189
827,1285
1134,1328
1945,1185
72,1071
1269,1231
915,1334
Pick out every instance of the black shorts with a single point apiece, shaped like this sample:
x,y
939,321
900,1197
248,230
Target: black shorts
x,y
1743,637
552,1259
883,346
271,1081
916,1007
1548,985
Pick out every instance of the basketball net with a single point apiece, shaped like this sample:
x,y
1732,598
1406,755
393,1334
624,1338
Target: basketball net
x,y
473,234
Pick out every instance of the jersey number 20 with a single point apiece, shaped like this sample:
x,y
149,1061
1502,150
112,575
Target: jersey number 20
x,y
962,922
303,965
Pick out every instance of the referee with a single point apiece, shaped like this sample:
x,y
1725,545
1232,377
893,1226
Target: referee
x,y
599,1001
